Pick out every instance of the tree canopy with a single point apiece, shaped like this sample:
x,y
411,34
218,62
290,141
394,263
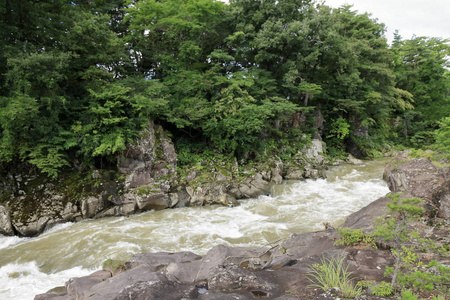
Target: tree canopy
x,y
80,79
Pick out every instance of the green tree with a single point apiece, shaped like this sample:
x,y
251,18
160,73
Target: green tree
x,y
420,66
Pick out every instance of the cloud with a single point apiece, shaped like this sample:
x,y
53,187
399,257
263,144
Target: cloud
x,y
413,17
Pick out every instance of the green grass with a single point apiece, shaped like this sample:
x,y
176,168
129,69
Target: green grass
x,y
331,273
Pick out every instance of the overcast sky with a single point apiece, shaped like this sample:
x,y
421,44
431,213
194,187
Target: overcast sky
x,y
420,17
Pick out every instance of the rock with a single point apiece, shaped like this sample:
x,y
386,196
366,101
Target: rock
x,y
420,178
6,227
352,160
157,201
293,173
365,218
232,278
77,287
276,170
254,186
444,207
160,260
163,289
148,159
314,152
227,200
91,206
32,227
111,287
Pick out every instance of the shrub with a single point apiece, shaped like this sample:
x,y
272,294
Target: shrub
x,y
355,237
382,289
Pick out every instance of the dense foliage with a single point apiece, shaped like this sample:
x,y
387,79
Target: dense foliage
x,y
79,79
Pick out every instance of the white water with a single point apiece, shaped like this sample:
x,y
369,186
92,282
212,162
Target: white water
x,y
29,266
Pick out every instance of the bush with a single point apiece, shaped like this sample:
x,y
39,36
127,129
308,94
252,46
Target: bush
x,y
355,237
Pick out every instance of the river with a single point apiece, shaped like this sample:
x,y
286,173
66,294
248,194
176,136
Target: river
x,y
29,266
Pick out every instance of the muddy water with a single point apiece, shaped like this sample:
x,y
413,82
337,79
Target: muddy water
x,y
29,266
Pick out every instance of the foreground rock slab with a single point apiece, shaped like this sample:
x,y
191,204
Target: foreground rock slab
x,y
225,272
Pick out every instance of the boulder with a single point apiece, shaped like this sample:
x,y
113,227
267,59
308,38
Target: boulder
x,y
420,178
352,160
365,218
253,186
6,227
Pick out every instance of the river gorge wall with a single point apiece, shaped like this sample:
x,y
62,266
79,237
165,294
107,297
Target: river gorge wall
x,y
146,178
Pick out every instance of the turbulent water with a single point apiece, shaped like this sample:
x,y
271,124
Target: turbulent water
x,y
29,266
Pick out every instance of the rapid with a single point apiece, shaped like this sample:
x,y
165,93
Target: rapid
x,y
30,266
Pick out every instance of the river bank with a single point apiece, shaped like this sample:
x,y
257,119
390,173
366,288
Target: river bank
x,y
282,270
147,178
34,265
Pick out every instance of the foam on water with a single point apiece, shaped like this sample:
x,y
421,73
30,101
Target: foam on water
x,y
8,241
24,281
32,266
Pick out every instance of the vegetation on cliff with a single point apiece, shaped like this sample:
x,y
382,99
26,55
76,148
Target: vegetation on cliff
x,y
79,79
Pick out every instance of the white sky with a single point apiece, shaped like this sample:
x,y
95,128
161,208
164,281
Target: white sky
x,y
429,18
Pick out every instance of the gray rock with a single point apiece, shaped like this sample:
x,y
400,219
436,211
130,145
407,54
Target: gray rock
x,y
6,227
254,186
91,206
420,178
365,218
111,287
159,260
352,160
79,287
314,152
444,207
232,278
148,159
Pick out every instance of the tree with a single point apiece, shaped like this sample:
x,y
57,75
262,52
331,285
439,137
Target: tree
x,y
420,66
395,228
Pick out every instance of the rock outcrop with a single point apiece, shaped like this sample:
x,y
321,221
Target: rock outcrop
x,y
278,272
225,272
145,179
420,178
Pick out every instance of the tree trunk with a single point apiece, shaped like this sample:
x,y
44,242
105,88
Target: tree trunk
x,y
296,120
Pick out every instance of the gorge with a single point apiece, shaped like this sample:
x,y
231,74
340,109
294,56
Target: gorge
x,y
34,265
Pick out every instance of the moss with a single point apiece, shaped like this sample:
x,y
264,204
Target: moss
x,y
113,265
147,190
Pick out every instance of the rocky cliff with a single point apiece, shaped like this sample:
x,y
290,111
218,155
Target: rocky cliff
x,y
278,272
146,178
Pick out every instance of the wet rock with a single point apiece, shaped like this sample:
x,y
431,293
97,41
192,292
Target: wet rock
x,y
352,160
276,170
254,186
32,227
294,173
308,163
419,177
91,206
